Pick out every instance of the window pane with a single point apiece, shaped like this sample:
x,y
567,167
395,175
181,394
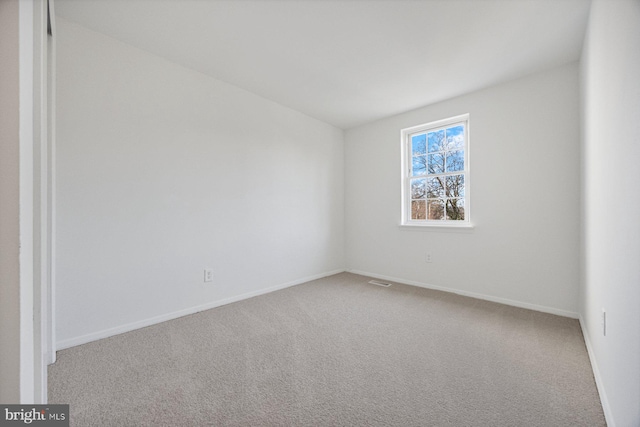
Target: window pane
x,y
418,209
436,141
455,137
455,161
418,188
435,187
435,209
418,144
455,209
436,163
419,166
455,185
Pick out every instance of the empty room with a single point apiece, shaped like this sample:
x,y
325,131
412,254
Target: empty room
x,y
321,212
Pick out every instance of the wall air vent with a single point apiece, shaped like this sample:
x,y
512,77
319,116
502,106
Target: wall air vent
x,y
379,283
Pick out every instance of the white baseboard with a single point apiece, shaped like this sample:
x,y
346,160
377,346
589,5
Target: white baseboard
x,y
105,333
596,375
544,309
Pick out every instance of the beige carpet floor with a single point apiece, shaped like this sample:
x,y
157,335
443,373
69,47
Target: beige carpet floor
x,y
336,352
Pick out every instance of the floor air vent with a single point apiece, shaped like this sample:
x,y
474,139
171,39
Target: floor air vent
x,y
379,283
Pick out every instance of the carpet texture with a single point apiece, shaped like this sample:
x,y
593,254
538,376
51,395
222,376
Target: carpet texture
x,y
332,352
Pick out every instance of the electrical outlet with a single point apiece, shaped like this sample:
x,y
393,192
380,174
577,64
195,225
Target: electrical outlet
x,y
208,275
603,321
428,256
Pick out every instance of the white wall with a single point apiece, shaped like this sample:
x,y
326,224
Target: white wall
x,y
9,205
19,105
162,172
524,249
611,186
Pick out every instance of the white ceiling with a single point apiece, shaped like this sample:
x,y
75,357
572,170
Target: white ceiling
x,y
352,61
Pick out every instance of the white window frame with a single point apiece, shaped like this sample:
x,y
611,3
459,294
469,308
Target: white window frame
x,y
406,135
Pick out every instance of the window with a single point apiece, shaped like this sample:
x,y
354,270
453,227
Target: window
x,y
435,173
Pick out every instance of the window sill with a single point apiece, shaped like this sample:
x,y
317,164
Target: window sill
x,y
438,227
